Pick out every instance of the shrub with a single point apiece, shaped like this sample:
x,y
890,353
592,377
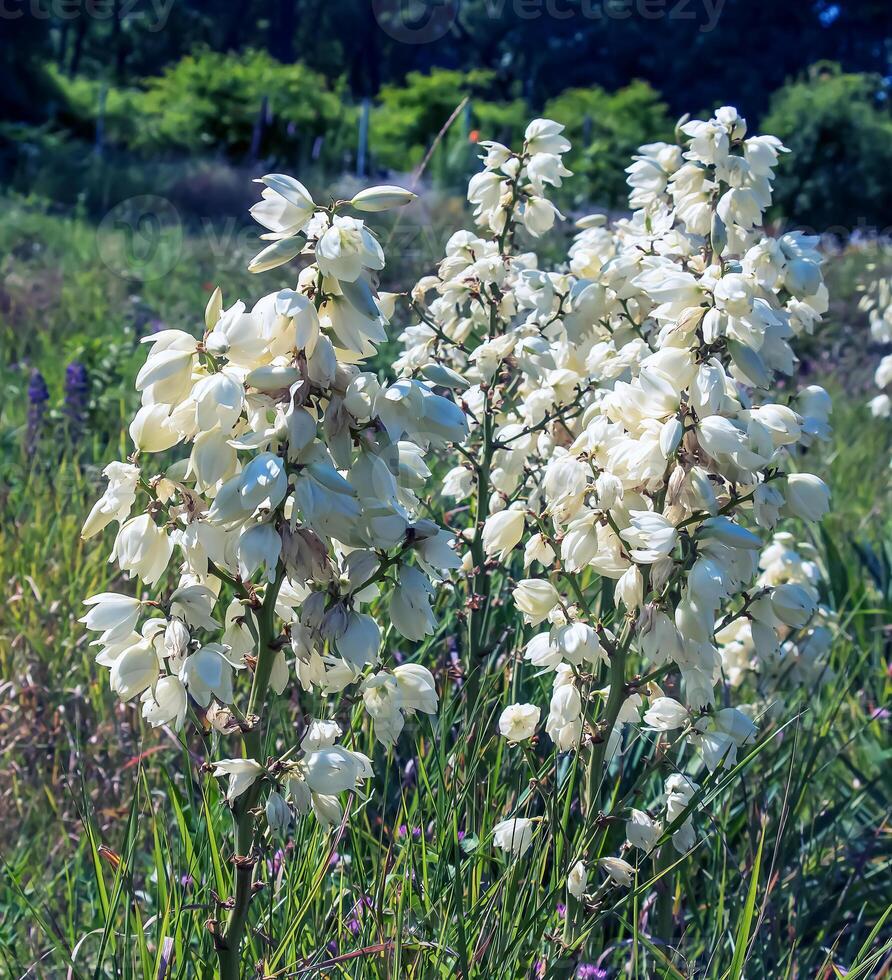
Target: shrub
x,y
606,128
409,117
840,131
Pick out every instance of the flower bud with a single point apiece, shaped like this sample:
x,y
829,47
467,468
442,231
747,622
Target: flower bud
x,y
382,198
278,814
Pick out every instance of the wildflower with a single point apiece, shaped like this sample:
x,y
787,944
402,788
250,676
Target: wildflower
x,y
513,836
577,880
77,392
518,722
620,871
38,396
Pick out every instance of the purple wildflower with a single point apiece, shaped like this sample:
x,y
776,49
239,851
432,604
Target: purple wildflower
x,y
589,971
38,396
77,393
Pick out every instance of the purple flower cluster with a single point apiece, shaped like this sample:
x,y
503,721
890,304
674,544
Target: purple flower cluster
x,y
77,394
588,971
38,396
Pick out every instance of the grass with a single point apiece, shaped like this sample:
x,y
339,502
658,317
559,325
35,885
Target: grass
x,y
115,845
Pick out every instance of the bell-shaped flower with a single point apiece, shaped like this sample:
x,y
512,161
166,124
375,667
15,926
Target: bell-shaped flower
x,y
359,642
381,697
242,773
502,531
135,669
416,688
320,735
535,598
166,702
807,496
347,248
665,715
518,722
207,673
286,207
334,769
620,871
111,614
513,836
142,548
117,501
642,831
259,547
410,609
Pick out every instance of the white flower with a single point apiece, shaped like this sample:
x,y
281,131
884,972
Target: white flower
x,y
242,773
381,697
501,532
620,871
577,880
259,547
278,814
416,687
142,548
334,769
535,598
792,603
665,714
347,248
117,500
111,614
641,831
320,734
564,721
359,642
650,535
518,721
286,206
208,673
513,836
382,198
165,702
808,496
134,670
410,609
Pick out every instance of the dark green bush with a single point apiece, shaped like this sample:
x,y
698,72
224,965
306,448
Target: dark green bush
x,y
408,118
606,128
839,128
234,105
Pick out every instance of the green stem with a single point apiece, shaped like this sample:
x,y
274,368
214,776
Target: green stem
x,y
480,579
617,679
228,945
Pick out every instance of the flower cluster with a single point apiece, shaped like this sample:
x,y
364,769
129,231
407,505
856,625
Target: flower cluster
x,y
284,504
623,431
877,303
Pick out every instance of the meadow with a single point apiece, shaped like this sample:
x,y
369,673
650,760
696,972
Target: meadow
x,y
97,809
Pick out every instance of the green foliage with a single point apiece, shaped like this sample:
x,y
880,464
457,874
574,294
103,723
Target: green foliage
x,y
839,128
606,128
210,100
408,118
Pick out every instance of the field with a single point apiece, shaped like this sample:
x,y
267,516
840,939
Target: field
x,y
96,808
